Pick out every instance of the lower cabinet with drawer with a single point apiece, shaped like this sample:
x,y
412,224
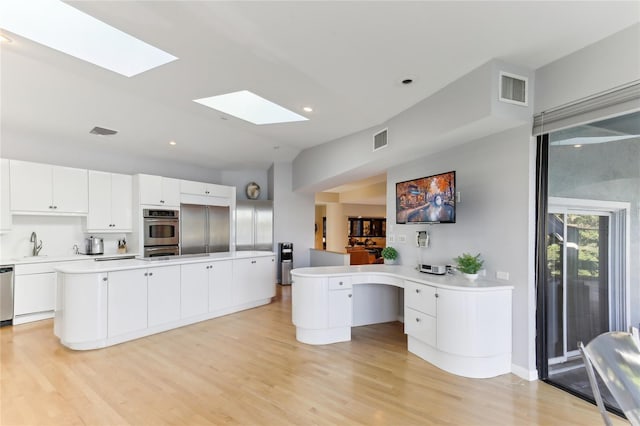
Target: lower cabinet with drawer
x,y
463,332
35,292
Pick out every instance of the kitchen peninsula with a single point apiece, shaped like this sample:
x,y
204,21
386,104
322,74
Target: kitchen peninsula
x,y
460,326
100,304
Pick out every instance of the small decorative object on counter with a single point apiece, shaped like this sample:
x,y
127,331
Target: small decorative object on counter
x,y
122,246
389,255
469,265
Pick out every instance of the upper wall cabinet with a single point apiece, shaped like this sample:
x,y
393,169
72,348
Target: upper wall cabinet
x,y
159,191
5,191
206,193
43,188
110,202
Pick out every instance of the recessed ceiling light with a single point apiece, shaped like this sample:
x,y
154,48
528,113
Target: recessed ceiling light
x,y
250,107
61,27
577,145
5,39
172,143
308,109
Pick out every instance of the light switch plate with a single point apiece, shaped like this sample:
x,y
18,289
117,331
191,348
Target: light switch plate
x,y
502,275
402,238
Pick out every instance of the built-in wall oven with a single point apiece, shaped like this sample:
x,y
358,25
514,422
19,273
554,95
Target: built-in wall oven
x,y
161,232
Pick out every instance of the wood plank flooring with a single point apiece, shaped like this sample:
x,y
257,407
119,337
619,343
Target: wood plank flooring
x,y
248,369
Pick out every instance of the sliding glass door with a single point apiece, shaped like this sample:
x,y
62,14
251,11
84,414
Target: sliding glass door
x,y
577,282
588,243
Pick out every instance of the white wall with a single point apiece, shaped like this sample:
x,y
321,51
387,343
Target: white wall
x,y
464,110
293,214
609,63
240,179
58,234
492,176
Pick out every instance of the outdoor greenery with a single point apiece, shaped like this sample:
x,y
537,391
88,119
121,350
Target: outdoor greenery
x,y
582,239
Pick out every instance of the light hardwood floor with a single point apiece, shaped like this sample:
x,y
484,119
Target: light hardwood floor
x,y
247,368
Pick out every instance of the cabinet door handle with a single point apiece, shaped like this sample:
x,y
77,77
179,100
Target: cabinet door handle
x,y
105,279
150,273
417,290
162,201
340,283
417,319
253,261
350,295
437,295
145,274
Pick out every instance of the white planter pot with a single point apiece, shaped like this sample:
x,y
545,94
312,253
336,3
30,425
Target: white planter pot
x,y
390,261
470,277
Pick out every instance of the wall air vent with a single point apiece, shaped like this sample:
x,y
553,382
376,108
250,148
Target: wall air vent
x,y
102,131
380,140
513,89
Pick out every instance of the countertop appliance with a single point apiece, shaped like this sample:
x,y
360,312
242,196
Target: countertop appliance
x,y
254,225
161,232
204,229
6,295
93,245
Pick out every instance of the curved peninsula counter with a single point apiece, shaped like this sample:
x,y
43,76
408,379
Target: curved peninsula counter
x,y
100,304
460,326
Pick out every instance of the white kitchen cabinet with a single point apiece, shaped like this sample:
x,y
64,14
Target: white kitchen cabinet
x,y
220,285
163,285
206,189
34,293
340,308
194,289
158,191
127,302
110,202
5,196
44,188
473,324
254,279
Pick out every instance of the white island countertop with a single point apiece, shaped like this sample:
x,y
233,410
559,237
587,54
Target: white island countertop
x,y
91,266
45,258
451,281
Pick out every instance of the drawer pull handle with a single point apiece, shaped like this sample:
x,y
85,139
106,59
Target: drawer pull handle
x,y
417,319
417,290
350,295
437,295
340,283
104,279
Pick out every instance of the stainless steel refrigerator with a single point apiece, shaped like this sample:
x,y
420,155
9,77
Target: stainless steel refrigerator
x,y
204,229
254,225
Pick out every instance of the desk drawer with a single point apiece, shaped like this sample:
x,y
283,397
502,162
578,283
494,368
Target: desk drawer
x,y
420,326
339,283
420,297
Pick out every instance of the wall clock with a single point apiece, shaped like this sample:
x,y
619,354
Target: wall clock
x,y
253,191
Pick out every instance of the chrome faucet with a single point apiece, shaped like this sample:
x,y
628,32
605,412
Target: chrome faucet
x,y
36,247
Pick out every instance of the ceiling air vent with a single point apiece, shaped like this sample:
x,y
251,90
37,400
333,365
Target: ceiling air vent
x,y
380,140
102,131
513,89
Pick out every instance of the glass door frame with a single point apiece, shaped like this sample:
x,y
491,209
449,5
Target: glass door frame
x,y
621,224
566,207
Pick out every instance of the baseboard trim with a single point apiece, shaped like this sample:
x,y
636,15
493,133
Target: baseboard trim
x,y
524,373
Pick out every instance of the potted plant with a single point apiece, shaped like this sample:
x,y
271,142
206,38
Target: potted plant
x,y
469,265
389,255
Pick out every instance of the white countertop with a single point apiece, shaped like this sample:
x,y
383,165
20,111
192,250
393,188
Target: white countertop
x,y
452,281
91,266
24,260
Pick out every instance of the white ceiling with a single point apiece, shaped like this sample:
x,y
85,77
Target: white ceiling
x,y
345,59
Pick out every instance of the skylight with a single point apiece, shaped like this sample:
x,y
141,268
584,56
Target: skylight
x,y
250,107
61,27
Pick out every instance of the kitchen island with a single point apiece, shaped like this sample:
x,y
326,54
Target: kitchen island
x,y
460,326
100,304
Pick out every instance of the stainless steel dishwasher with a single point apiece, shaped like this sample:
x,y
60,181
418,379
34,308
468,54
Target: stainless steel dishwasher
x,y
6,295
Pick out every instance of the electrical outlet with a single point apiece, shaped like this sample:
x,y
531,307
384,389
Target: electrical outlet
x,y
502,275
402,238
391,238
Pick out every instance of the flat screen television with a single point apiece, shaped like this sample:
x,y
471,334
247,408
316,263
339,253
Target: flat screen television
x,y
430,199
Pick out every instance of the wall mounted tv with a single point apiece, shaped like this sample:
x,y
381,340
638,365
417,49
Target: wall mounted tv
x,y
430,199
